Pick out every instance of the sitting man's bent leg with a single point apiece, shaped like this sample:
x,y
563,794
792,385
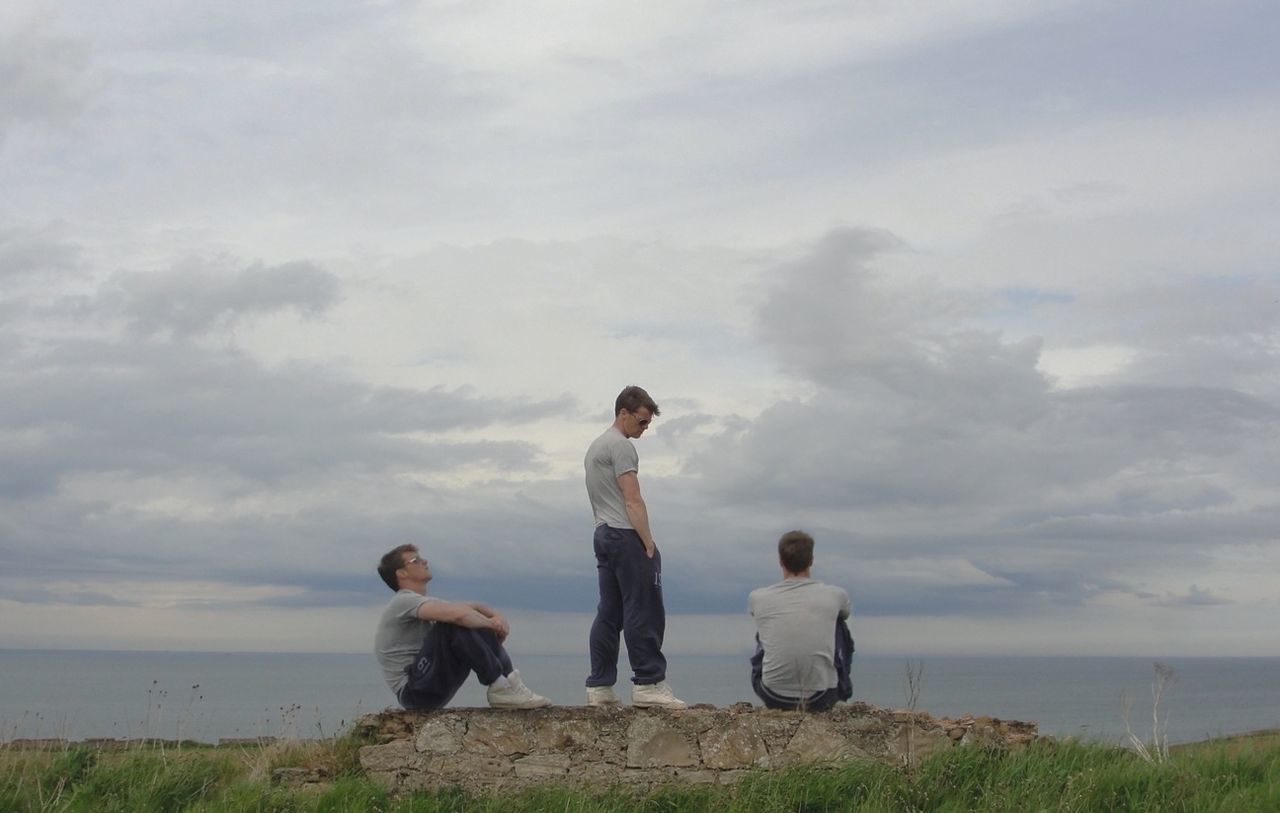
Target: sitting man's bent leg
x,y
449,654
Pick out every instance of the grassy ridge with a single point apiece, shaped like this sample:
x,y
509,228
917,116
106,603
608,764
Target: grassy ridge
x,y
1235,775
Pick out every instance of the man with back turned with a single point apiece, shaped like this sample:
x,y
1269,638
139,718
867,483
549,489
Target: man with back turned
x,y
803,647
628,564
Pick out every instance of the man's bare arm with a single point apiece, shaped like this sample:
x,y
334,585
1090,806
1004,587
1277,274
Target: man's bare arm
x,y
637,512
464,615
492,614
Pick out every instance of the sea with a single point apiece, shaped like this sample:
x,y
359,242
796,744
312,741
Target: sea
x,y
213,696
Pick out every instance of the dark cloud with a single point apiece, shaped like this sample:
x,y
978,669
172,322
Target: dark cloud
x,y
43,79
32,253
192,299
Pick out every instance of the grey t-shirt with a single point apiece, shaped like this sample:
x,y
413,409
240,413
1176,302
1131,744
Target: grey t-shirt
x,y
796,622
400,635
609,456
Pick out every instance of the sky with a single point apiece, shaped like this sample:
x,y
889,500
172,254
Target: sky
x,y
984,295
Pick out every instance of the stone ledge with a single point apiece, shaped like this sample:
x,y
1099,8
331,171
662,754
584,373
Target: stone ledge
x,y
483,749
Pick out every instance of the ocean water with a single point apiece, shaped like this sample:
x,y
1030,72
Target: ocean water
x,y
209,696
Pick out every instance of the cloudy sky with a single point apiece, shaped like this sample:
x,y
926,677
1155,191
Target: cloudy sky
x,y
983,294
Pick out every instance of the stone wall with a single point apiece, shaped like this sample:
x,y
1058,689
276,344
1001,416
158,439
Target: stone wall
x,y
482,749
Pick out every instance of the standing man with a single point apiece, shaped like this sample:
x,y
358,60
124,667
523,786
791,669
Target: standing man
x,y
427,646
628,564
804,652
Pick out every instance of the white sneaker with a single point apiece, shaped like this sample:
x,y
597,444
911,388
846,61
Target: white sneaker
x,y
649,695
602,696
515,695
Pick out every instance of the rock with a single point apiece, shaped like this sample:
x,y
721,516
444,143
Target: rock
x,y
653,742
495,751
393,756
505,735
441,735
736,745
542,766
816,740
564,735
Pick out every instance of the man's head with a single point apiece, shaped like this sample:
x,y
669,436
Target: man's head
x,y
633,410
402,566
795,552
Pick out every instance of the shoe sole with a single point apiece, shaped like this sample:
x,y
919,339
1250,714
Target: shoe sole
x,y
519,706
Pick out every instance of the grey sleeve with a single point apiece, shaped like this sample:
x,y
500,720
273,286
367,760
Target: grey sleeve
x,y
625,457
407,604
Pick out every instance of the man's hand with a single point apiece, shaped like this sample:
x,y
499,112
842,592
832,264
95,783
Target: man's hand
x,y
499,626
650,549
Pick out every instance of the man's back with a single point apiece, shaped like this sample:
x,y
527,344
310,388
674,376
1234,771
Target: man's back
x,y
608,457
796,622
399,636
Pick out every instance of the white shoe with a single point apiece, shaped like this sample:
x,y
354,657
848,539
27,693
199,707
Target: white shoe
x,y
649,695
515,695
602,696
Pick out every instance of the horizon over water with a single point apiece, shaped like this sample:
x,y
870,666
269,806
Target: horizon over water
x,y
206,696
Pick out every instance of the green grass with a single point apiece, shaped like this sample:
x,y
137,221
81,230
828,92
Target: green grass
x,y
1242,774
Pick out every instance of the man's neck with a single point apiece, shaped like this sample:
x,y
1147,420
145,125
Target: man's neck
x,y
420,588
787,575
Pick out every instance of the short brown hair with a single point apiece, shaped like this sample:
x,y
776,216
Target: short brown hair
x,y
631,399
392,561
795,551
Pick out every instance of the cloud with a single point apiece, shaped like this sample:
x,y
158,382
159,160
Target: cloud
x,y
981,298
193,299
28,253
43,78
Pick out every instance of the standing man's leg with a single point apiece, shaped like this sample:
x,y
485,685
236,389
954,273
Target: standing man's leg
x,y
644,617
449,654
603,643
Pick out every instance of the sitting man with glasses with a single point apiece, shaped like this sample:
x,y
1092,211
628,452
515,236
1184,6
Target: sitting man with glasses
x,y
428,646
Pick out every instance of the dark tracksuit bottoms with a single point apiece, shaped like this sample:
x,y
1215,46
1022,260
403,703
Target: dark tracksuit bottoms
x,y
630,603
449,654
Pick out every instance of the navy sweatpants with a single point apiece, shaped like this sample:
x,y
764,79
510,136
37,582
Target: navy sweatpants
x,y
449,654
630,603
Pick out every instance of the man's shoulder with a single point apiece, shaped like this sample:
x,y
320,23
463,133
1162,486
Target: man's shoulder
x,y
791,586
406,600
609,445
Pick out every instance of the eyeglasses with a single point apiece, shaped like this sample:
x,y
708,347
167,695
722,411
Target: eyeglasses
x,y
415,560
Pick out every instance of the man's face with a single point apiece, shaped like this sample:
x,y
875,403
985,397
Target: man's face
x,y
634,423
416,566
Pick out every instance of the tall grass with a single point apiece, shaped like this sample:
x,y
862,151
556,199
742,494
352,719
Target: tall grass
x,y
1062,776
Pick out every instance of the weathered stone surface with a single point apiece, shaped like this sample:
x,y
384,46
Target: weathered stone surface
x,y
653,742
394,756
565,735
816,740
699,777
738,744
505,735
440,735
484,750
454,768
542,765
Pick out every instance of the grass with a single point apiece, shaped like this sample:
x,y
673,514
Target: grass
x,y
1239,774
